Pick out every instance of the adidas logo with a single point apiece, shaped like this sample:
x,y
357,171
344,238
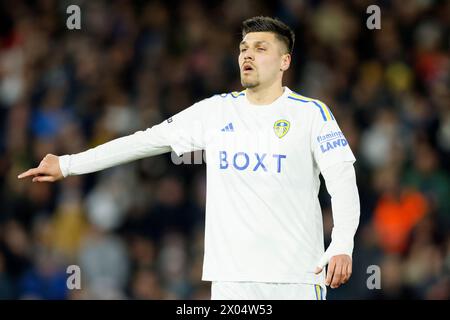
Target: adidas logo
x,y
228,128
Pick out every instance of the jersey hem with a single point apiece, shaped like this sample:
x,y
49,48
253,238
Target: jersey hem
x,y
307,278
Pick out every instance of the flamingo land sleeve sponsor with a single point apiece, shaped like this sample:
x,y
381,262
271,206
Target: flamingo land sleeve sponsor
x,y
331,140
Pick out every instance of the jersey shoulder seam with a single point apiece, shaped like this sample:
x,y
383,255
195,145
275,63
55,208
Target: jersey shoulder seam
x,y
325,112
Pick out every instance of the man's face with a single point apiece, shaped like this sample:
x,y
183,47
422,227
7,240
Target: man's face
x,y
262,59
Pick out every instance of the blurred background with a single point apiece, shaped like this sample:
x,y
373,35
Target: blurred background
x,y
136,230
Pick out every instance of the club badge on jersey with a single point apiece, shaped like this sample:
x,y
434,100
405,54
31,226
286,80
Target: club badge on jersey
x,y
281,128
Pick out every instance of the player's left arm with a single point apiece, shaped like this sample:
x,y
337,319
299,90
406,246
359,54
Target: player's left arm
x,y
335,159
341,184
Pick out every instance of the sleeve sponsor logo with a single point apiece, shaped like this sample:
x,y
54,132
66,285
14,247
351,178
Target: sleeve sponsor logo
x,y
331,140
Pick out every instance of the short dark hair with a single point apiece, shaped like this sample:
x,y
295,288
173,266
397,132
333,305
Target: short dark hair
x,y
268,24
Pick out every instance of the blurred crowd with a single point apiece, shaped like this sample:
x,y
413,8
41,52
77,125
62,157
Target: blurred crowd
x,y
136,230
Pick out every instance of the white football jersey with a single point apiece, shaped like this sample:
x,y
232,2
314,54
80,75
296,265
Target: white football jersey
x,y
263,217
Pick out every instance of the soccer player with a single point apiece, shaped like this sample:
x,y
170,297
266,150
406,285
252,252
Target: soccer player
x,y
265,148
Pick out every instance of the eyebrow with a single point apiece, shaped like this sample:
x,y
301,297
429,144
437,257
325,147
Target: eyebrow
x,y
243,42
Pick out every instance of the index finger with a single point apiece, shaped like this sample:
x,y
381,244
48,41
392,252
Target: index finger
x,y
348,271
330,272
337,275
28,173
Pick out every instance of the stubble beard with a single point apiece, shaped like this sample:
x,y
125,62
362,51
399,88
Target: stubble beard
x,y
249,83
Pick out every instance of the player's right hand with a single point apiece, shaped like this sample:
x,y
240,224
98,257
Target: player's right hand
x,y
47,171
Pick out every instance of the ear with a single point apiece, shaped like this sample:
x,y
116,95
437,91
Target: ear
x,y
285,62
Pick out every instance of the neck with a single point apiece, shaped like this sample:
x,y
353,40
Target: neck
x,y
264,96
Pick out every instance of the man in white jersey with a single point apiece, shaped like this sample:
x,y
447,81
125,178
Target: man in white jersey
x,y
265,148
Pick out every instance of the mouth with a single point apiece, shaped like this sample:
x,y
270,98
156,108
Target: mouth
x,y
247,68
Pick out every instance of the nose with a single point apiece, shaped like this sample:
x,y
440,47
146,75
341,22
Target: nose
x,y
248,55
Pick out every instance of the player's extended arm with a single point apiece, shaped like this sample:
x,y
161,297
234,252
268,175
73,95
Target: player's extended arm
x,y
340,180
118,151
